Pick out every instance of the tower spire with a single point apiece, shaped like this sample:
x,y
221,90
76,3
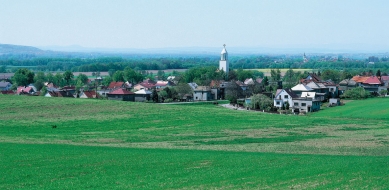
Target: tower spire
x,y
223,63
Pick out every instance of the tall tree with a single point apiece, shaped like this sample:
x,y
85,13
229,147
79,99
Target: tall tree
x,y
155,96
233,92
132,75
182,89
290,78
68,76
23,77
82,79
118,76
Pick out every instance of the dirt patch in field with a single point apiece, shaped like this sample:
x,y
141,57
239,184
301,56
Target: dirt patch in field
x,y
104,140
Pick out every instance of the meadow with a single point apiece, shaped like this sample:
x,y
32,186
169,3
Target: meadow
x,y
57,143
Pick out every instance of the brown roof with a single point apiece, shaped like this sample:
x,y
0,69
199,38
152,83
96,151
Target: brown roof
x,y
120,91
216,83
114,85
7,92
91,94
60,94
315,77
147,84
64,94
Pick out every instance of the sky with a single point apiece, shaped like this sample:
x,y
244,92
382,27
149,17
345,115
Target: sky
x,y
196,23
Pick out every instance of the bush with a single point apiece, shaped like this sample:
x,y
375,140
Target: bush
x,y
168,100
260,101
356,93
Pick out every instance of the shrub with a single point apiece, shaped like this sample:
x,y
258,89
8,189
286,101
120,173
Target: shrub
x,y
356,93
168,100
260,101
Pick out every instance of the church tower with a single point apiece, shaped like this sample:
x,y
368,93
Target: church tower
x,y
305,58
223,63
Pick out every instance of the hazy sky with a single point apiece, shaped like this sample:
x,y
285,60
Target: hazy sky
x,y
195,23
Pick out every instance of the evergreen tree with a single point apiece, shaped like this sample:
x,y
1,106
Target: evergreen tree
x,y
155,96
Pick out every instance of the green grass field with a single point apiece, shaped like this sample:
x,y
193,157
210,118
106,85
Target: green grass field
x,y
107,144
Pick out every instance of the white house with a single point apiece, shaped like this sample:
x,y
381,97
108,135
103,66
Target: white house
x,y
298,89
305,105
283,96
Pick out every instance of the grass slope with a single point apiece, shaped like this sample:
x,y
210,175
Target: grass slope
x,y
77,167
101,144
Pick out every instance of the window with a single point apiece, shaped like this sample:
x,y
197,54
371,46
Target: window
x,y
296,104
286,96
278,103
303,104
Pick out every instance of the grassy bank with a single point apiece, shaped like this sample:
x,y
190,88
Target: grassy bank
x,y
104,144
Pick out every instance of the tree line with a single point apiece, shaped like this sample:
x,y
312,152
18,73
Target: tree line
x,y
162,63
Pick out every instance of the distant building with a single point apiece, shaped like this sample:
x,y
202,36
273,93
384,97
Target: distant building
x,y
305,59
223,63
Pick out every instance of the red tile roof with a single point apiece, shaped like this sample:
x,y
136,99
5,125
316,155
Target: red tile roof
x,y
147,84
114,85
360,79
385,78
372,80
22,89
120,91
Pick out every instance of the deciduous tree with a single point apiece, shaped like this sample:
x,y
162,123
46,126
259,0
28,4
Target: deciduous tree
x,y
23,77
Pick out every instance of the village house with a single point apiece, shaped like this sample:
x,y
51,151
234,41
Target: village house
x,y
218,89
163,84
7,92
88,94
115,85
142,95
284,96
21,90
193,85
146,85
334,102
202,93
69,90
300,88
304,105
326,89
61,93
121,95
346,84
371,83
4,86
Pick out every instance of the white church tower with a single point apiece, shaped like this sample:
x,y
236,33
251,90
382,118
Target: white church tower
x,y
223,63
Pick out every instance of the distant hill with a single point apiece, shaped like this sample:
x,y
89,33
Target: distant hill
x,y
9,51
16,49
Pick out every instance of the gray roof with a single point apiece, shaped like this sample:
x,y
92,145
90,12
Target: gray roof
x,y
203,88
4,84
